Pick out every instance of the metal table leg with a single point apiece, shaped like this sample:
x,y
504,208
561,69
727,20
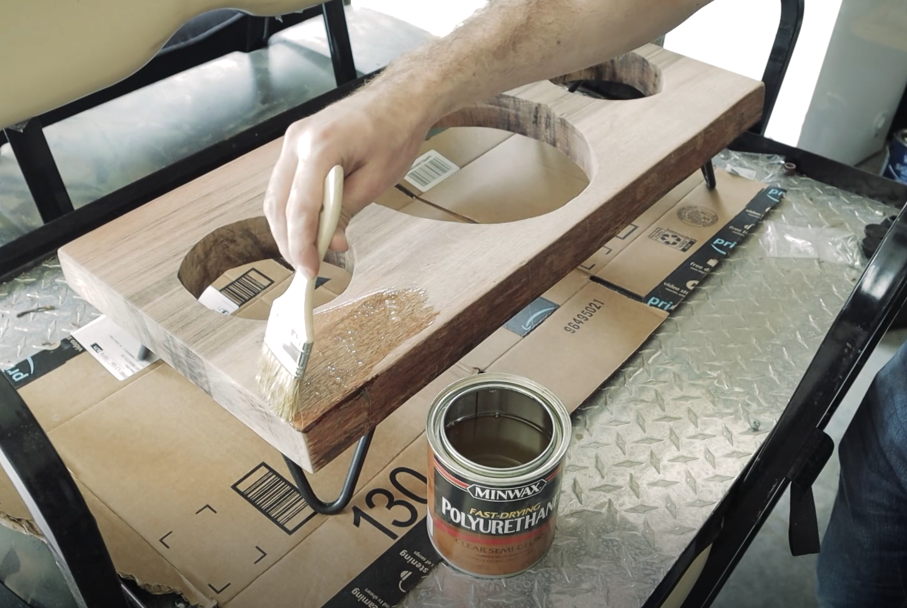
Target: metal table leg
x,y
39,169
349,485
708,173
779,58
339,41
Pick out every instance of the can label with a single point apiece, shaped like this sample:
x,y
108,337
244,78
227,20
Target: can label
x,y
492,530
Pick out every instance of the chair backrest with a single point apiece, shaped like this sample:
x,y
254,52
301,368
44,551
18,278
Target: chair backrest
x,y
54,52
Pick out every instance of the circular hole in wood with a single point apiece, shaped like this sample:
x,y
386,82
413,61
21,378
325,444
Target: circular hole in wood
x,y
489,176
630,76
237,269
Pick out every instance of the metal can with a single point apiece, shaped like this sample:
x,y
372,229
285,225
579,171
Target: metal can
x,y
496,447
896,165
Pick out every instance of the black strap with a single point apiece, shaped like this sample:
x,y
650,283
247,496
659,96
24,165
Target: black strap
x,y
803,531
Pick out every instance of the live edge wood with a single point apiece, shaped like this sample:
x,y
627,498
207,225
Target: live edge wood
x,y
450,284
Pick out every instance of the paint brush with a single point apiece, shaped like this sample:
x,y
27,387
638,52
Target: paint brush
x,y
291,329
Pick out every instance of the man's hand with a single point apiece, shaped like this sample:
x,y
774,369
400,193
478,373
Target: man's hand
x,y
374,135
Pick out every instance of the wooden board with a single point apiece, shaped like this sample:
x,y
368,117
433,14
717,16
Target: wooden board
x,y
423,292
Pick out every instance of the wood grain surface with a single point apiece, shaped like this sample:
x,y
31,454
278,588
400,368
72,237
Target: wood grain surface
x,y
423,292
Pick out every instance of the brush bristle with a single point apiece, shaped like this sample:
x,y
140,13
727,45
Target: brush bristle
x,y
279,387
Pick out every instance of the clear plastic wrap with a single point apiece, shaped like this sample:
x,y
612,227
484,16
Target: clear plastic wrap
x,y
833,245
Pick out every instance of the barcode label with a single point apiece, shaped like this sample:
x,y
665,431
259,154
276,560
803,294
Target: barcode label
x,y
115,349
429,170
275,498
216,301
247,286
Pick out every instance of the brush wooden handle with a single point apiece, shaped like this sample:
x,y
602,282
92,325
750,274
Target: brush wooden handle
x,y
327,226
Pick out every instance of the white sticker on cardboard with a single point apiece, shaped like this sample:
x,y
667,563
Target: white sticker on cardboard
x,y
429,170
115,349
218,302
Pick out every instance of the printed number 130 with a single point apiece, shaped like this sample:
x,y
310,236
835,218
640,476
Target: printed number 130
x,y
391,501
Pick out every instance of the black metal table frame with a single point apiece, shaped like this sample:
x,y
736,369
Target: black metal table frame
x,y
50,493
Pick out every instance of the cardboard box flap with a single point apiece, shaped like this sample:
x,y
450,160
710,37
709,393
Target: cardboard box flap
x,y
83,384
564,289
507,184
679,233
526,152
459,145
135,559
394,198
379,514
630,232
167,434
431,212
488,351
166,468
582,343
13,512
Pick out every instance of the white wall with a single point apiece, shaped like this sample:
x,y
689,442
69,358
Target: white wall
x,y
435,16
861,82
737,35
854,98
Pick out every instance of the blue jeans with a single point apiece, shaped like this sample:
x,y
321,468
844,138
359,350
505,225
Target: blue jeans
x,y
863,561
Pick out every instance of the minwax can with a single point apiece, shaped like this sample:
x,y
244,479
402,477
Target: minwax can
x,y
896,165
496,446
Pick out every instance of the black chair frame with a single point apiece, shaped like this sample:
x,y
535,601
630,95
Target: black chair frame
x,y
30,460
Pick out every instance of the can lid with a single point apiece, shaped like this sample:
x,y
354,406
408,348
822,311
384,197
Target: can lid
x,y
453,460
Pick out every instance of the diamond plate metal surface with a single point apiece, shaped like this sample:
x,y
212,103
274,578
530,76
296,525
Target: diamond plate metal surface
x,y
657,448
37,310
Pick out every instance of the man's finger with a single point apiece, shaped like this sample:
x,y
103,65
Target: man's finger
x,y
275,201
360,188
339,242
303,210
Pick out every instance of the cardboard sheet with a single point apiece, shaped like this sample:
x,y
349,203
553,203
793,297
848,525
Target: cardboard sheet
x,y
394,198
629,234
431,212
517,179
582,343
188,499
459,145
681,231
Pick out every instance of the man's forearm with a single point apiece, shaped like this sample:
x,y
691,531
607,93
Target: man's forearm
x,y
375,134
513,42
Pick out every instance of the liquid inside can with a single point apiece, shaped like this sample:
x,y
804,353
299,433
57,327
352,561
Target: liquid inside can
x,y
496,448
896,165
